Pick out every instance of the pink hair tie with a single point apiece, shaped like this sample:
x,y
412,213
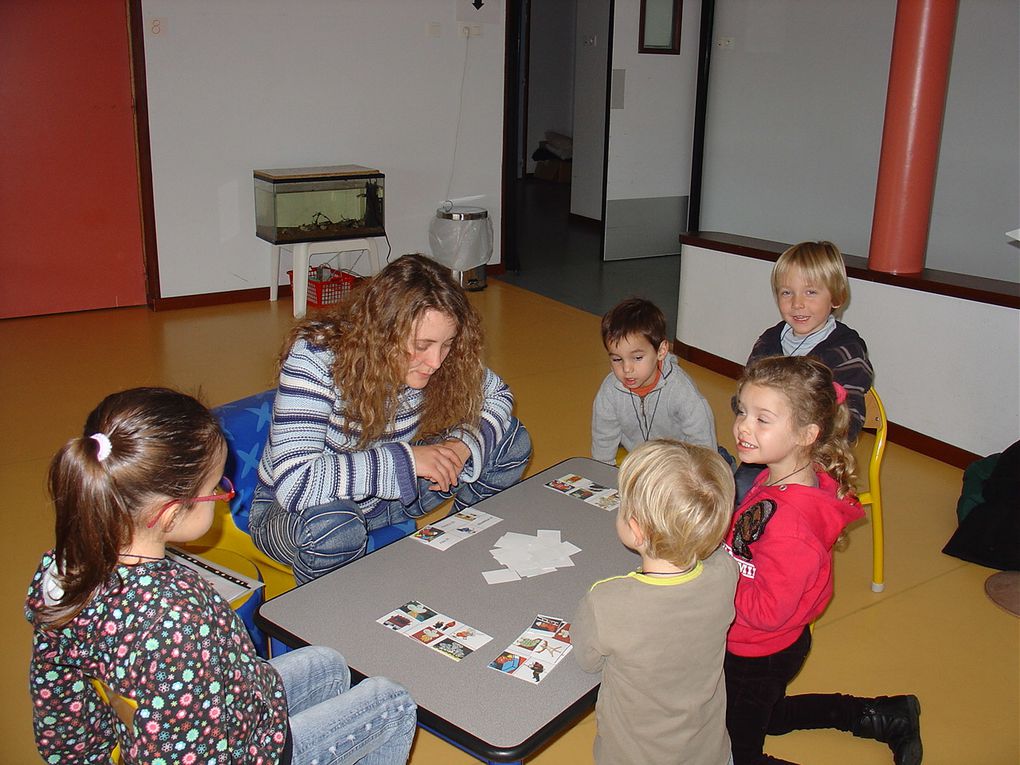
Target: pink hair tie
x,y
104,446
840,392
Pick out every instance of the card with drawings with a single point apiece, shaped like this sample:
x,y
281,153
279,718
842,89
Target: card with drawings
x,y
439,632
584,489
459,526
536,651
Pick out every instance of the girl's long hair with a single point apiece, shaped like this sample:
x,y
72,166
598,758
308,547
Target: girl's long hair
x,y
368,336
162,445
808,386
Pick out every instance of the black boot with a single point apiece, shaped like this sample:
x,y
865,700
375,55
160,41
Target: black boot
x,y
892,720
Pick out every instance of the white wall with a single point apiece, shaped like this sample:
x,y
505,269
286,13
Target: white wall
x,y
794,128
591,57
945,367
650,138
235,85
551,71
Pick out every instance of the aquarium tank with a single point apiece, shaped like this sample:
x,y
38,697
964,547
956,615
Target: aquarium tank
x,y
310,204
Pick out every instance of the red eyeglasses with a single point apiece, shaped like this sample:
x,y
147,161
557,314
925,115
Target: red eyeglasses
x,y
226,494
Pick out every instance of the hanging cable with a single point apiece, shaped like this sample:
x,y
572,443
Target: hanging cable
x,y
448,204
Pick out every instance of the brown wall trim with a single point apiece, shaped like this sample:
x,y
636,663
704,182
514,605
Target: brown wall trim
x,y
899,434
219,298
136,31
976,288
245,296
707,360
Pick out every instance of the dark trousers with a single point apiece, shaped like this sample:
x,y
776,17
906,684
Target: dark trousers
x,y
757,704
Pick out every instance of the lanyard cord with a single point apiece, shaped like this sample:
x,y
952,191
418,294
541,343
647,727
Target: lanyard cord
x,y
644,423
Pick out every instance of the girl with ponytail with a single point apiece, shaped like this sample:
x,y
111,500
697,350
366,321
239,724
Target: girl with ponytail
x,y
792,418
179,676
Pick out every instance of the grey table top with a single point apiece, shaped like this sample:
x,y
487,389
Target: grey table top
x,y
491,714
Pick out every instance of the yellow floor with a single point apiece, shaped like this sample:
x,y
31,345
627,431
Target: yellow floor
x,y
932,632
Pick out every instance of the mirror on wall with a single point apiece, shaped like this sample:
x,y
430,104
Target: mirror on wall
x,y
659,29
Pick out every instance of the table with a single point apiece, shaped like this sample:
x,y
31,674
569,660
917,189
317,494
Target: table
x,y
484,712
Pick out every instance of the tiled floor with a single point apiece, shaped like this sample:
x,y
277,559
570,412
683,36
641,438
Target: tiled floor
x,y
932,632
559,258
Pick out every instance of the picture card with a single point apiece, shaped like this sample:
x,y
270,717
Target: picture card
x,y
586,490
425,625
536,651
455,528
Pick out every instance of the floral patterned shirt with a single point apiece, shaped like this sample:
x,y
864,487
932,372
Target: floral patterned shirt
x,y
185,682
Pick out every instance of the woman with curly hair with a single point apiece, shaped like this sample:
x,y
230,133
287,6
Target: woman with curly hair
x,y
384,410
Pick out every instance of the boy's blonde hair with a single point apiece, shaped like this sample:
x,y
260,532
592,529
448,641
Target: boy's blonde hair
x,y
680,496
821,263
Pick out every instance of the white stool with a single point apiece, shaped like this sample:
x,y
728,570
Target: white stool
x,y
301,253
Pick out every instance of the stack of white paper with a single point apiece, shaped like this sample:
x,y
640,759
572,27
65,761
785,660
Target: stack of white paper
x,y
526,555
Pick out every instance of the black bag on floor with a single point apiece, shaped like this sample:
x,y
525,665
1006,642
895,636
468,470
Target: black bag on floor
x,y
989,534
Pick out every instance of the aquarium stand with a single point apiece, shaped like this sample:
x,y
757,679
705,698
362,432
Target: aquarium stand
x,y
302,252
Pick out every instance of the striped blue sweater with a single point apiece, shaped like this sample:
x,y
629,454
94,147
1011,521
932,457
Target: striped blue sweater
x,y
309,460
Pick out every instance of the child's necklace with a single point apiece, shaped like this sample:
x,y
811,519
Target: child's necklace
x,y
808,336
687,570
780,480
142,557
758,488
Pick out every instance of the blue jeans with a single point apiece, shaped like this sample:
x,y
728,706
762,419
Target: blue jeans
x,y
322,538
333,724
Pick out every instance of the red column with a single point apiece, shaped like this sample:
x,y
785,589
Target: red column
x,y
918,78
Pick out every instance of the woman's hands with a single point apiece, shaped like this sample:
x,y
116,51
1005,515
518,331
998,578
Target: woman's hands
x,y
441,463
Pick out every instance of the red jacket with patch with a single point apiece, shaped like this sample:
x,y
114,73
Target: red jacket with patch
x,y
782,538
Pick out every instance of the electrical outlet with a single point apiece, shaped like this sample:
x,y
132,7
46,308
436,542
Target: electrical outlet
x,y
434,29
470,30
725,43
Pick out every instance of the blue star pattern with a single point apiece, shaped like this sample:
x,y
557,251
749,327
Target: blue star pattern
x,y
245,424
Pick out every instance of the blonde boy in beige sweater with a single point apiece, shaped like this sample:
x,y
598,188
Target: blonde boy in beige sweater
x,y
658,635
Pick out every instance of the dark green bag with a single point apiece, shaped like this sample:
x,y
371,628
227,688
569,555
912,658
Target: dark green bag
x,y
989,512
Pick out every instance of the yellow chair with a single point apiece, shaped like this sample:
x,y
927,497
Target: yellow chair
x,y
225,534
122,706
875,420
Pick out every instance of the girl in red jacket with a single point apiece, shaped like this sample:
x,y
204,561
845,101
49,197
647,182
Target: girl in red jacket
x,y
792,417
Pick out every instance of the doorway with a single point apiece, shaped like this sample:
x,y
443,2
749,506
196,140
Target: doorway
x,y
553,237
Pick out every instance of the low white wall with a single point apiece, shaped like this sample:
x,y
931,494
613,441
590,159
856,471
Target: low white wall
x,y
945,367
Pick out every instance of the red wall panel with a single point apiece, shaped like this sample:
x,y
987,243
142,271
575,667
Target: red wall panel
x,y
70,215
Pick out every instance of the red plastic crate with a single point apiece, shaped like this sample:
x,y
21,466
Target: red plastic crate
x,y
331,288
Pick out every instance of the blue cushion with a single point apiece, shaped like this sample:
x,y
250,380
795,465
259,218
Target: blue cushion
x,y
381,537
245,424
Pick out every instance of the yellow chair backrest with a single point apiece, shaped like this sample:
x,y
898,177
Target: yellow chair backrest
x,y
875,420
226,535
122,706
